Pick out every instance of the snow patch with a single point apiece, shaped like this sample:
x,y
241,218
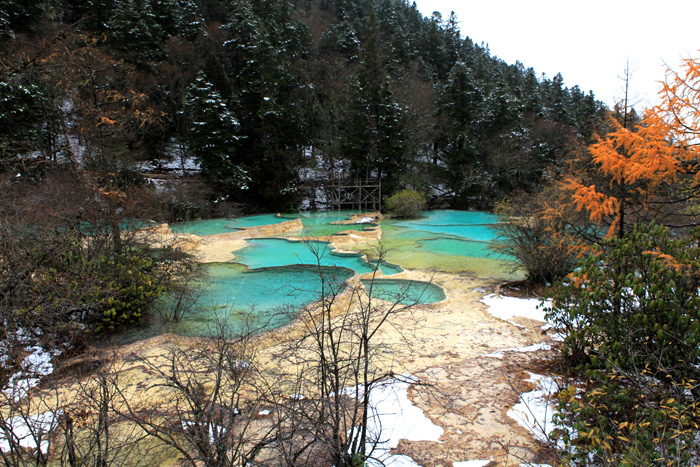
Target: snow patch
x,y
535,409
183,164
506,308
529,348
393,417
30,432
33,367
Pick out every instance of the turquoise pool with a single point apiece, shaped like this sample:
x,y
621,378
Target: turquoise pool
x,y
279,252
216,226
242,300
316,224
320,224
272,278
449,241
405,292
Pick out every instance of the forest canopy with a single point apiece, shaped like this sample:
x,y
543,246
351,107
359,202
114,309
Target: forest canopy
x,y
263,95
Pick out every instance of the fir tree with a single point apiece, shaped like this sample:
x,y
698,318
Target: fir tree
x,y
212,135
374,140
20,119
135,28
262,54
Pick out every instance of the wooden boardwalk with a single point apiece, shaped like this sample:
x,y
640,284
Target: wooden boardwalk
x,y
362,194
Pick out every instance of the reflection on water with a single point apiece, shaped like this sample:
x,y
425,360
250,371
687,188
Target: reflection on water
x,y
316,224
320,224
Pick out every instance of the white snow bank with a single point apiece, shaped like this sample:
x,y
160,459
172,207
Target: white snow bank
x,y
392,418
396,418
506,308
529,348
536,408
365,220
29,432
34,366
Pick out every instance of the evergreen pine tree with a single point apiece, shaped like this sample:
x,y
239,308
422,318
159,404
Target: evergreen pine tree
x,y
460,108
212,135
373,139
263,51
18,16
134,28
188,19
20,120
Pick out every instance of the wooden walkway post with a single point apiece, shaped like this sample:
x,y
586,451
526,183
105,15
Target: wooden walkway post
x,y
361,193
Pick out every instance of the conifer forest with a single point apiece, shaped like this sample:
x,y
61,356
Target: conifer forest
x,y
261,93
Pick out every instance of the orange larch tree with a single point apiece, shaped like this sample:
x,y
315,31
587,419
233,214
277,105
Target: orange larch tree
x,y
648,172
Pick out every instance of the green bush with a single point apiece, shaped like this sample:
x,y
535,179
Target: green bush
x,y
406,204
126,290
101,289
630,314
635,301
628,419
66,286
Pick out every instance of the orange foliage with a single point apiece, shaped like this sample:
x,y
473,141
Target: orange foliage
x,y
106,121
596,203
636,162
644,155
670,261
678,115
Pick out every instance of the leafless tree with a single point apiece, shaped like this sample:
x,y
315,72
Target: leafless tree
x,y
209,402
205,404
93,434
27,424
334,365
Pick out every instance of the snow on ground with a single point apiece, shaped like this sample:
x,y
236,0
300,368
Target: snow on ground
x,y
695,458
30,432
158,184
393,418
506,308
186,164
535,409
529,348
33,367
